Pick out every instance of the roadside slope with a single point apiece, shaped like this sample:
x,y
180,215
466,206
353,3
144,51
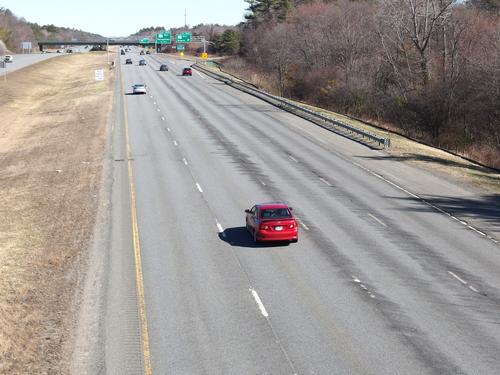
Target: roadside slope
x,y
52,139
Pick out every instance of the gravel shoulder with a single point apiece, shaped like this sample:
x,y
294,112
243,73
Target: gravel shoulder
x,y
52,145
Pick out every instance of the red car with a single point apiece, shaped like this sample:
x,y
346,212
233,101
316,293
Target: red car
x,y
272,222
187,72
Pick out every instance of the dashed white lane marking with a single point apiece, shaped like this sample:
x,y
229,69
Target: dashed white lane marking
x,y
199,187
377,220
154,102
221,229
291,157
151,96
184,161
302,224
158,109
424,201
175,143
168,129
463,282
162,118
325,181
201,75
259,302
458,278
262,182
363,286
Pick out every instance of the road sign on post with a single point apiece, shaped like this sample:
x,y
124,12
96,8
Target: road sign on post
x,y
184,37
164,37
204,55
180,47
144,41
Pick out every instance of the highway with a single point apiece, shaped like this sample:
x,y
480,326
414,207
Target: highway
x,y
380,281
24,60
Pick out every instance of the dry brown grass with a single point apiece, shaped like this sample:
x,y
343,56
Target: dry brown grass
x,y
52,137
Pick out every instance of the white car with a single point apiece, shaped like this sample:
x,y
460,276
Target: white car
x,y
139,88
8,58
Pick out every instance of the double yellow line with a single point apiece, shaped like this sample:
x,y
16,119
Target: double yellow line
x,y
146,354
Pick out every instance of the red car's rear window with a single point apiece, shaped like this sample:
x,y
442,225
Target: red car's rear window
x,y
275,213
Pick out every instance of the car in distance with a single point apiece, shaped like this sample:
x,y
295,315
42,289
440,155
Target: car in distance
x,y
141,53
148,53
122,52
142,62
128,61
163,68
8,58
272,221
139,88
187,72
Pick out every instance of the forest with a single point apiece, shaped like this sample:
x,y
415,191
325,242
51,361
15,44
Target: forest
x,y
428,69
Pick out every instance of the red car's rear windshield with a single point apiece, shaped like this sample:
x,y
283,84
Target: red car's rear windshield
x,y
275,213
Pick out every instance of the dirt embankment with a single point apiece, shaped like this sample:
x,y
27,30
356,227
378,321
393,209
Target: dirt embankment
x,y
52,139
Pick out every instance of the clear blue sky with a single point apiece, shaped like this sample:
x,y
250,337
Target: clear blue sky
x,y
125,17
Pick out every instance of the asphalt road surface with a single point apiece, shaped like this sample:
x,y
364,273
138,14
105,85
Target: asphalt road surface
x,y
380,282
23,60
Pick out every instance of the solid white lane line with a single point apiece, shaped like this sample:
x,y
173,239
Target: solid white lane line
x,y
325,181
476,230
377,220
199,187
184,161
175,143
423,201
259,302
458,278
291,157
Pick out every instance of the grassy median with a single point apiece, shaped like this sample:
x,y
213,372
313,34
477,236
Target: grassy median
x,y
52,138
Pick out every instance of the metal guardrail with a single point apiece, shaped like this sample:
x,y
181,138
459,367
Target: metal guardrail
x,y
318,118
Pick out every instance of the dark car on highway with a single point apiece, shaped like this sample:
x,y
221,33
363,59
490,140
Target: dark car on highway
x,y
122,52
142,62
163,68
272,221
128,61
187,72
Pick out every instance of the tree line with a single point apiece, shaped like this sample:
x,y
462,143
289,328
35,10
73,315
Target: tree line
x,y
427,68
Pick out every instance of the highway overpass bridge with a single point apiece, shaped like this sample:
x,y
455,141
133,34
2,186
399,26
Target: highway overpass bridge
x,y
95,42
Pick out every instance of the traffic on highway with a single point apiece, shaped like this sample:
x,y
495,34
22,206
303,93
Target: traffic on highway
x,y
363,275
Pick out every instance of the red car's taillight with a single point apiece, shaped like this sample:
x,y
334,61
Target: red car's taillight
x,y
292,226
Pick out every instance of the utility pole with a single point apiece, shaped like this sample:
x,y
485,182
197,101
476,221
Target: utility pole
x,y
107,49
185,18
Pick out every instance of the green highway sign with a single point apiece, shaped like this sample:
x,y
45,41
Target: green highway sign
x,y
144,40
184,37
180,47
164,38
